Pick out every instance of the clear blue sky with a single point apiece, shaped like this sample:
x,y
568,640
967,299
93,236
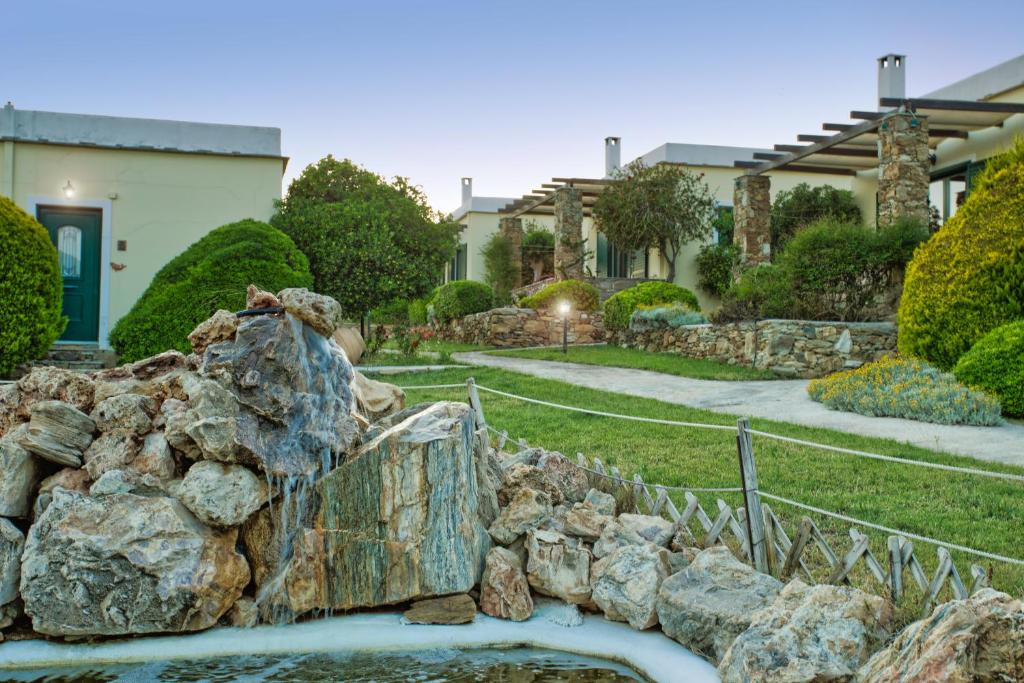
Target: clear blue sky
x,y
510,93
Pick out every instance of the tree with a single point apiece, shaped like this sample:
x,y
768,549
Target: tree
x,y
803,205
499,267
538,251
661,207
368,240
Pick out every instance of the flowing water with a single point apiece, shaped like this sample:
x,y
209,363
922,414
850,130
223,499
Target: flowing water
x,y
435,666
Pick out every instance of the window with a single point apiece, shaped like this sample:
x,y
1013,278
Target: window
x,y
615,262
457,267
69,249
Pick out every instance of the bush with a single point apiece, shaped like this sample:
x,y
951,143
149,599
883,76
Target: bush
x,y
212,273
538,252
461,297
969,277
31,288
646,318
715,264
619,307
760,293
996,366
910,389
803,205
417,312
582,295
499,268
394,312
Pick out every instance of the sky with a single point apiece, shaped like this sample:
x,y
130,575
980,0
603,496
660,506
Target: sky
x,y
508,93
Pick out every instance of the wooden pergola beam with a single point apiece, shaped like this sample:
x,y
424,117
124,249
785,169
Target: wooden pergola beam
x,y
807,150
822,138
916,103
836,150
800,168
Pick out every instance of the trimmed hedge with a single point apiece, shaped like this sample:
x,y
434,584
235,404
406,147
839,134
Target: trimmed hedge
x,y
461,297
969,277
583,296
211,274
31,288
996,366
620,306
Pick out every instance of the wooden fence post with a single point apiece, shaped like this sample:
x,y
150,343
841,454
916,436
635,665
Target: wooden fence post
x,y
474,401
751,499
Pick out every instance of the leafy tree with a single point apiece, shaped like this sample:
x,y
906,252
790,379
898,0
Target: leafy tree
x,y
538,251
803,205
369,241
499,268
660,206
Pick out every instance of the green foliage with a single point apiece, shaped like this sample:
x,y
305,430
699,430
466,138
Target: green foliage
x,y
211,274
394,312
619,307
715,263
996,366
803,205
499,267
417,312
582,295
660,206
462,297
368,240
969,277
31,288
647,318
538,252
724,224
910,389
761,292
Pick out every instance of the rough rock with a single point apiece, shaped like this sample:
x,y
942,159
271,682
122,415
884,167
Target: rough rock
x,y
19,472
111,451
586,522
374,399
625,584
451,609
708,604
527,456
630,529
124,564
11,543
58,432
258,298
70,478
556,520
46,383
243,614
350,341
558,566
489,478
809,633
398,521
130,412
504,591
221,494
177,418
570,480
602,502
521,476
217,328
524,512
320,312
157,377
154,457
127,481
977,639
9,399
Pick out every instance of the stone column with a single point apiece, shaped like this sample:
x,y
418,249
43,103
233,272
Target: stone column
x,y
568,233
903,168
751,216
512,230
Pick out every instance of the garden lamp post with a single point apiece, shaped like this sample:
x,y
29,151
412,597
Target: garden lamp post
x,y
563,308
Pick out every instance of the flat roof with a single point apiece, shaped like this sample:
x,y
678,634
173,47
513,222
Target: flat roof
x,y
698,155
984,84
118,132
481,205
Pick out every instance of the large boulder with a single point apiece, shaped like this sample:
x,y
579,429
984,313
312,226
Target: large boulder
x,y
58,432
711,602
221,494
522,475
322,313
977,639
157,377
11,543
630,529
524,512
809,633
570,480
44,383
451,609
351,342
602,502
123,564
19,472
585,522
130,412
558,566
219,327
625,584
504,591
374,399
111,451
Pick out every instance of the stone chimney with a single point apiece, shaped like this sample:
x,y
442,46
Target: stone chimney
x,y
892,78
612,156
467,191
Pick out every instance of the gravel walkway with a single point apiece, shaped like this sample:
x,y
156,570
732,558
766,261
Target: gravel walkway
x,y
783,400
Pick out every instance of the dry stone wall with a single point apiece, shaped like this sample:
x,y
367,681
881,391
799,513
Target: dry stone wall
x,y
523,327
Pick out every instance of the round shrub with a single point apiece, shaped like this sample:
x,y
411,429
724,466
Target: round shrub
x,y
461,297
211,274
31,288
996,366
969,277
582,295
715,264
417,312
620,306
906,388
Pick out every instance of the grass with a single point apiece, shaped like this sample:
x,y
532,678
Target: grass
x,y
432,346
964,509
668,363
440,345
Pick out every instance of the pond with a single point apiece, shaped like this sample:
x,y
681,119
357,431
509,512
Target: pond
x,y
433,666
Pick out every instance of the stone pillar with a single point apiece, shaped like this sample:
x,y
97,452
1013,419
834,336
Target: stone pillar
x,y
568,233
751,216
903,168
512,230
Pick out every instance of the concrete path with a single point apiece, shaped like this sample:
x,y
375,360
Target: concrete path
x,y
783,400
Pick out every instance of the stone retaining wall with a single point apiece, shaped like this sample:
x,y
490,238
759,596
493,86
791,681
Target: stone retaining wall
x,y
522,327
790,348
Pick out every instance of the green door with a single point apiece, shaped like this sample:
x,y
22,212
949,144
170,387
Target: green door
x,y
77,235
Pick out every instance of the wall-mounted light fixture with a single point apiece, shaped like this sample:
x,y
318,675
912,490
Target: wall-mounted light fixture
x,y
69,190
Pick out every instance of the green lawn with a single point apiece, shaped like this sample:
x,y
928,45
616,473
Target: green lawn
x,y
669,363
975,511
439,346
